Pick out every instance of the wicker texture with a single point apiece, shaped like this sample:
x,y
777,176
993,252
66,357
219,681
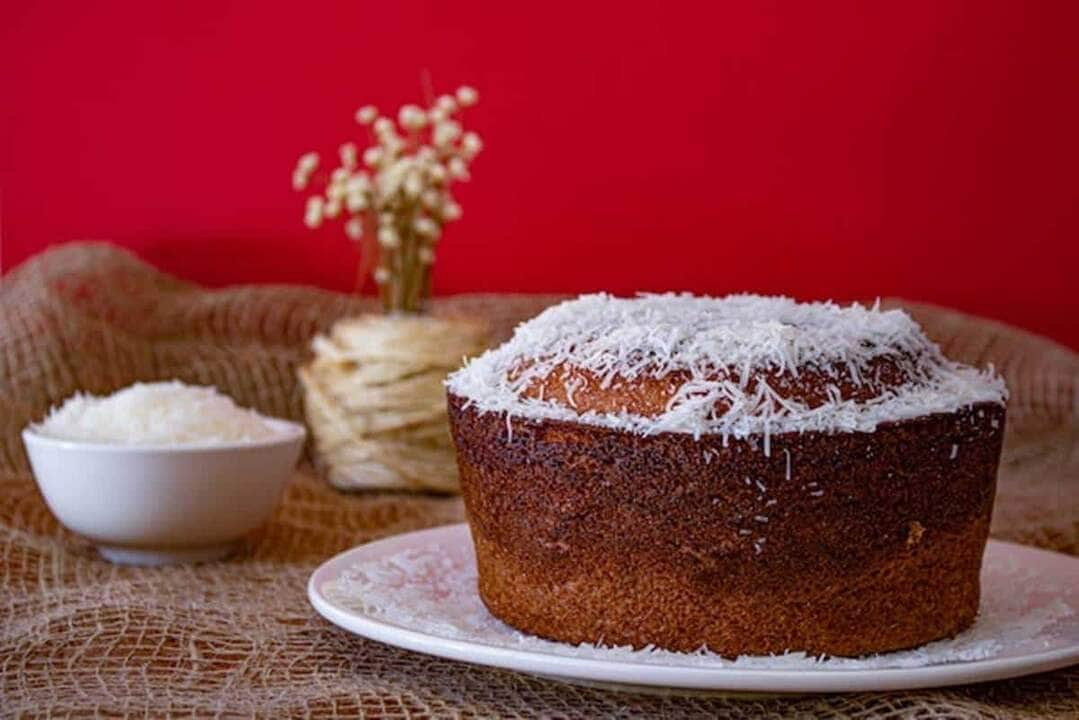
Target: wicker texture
x,y
78,635
375,403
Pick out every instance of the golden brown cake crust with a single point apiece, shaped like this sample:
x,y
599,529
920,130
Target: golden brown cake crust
x,y
864,542
649,396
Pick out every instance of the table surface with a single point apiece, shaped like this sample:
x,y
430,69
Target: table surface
x,y
79,635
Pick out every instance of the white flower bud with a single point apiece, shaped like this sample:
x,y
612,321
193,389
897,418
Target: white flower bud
x,y
313,214
372,156
383,126
335,191
430,199
411,117
471,144
354,228
425,226
457,169
355,202
366,114
388,237
427,256
446,104
391,177
446,132
339,175
358,183
467,96
332,208
382,275
413,184
304,167
392,145
348,155
436,115
437,173
450,210
426,154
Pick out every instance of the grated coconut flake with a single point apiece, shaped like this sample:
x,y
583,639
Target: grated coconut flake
x,y
729,338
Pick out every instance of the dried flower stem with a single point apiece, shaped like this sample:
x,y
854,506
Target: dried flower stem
x,y
396,210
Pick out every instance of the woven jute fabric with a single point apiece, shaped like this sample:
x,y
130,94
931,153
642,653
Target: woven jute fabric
x,y
81,636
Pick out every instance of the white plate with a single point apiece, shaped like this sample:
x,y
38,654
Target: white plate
x,y
418,591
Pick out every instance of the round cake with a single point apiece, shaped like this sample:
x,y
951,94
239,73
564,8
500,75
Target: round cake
x,y
745,474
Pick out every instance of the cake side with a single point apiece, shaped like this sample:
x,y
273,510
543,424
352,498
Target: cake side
x,y
840,543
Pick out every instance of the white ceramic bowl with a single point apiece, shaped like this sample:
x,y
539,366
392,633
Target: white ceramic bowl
x,y
161,504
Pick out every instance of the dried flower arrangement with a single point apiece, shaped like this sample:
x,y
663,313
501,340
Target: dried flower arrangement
x,y
373,391
395,197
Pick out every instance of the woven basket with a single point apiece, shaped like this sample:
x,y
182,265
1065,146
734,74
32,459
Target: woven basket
x,y
375,401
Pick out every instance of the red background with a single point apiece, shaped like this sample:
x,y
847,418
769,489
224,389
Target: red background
x,y
927,149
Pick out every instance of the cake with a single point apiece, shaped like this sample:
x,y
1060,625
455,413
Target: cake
x,y
750,475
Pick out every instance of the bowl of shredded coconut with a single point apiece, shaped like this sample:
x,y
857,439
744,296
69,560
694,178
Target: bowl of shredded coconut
x,y
163,472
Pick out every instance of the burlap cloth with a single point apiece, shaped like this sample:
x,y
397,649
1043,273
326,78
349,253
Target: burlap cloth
x,y
78,635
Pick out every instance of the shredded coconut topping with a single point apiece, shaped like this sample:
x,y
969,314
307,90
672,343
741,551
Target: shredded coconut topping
x,y
718,348
160,413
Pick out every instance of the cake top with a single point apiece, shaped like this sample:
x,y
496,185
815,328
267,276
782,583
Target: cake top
x,y
740,365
